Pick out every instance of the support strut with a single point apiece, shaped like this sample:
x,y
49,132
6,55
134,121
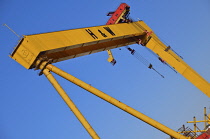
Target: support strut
x,y
70,104
114,102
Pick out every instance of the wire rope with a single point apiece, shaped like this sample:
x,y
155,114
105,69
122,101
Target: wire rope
x,y
143,60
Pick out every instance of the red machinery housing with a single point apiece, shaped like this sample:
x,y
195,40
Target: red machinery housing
x,y
120,15
205,135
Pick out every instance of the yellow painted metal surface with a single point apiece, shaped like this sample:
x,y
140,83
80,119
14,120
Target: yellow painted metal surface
x,y
71,104
111,58
192,131
113,101
175,61
63,45
209,120
198,121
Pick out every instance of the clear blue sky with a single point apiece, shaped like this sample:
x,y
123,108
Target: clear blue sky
x,y
32,109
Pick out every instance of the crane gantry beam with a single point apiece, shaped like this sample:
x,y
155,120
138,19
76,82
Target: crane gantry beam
x,y
68,44
63,45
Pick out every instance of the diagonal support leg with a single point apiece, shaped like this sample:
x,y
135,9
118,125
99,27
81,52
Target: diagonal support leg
x,y
115,102
70,104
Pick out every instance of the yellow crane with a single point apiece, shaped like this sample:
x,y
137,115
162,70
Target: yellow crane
x,y
197,132
39,51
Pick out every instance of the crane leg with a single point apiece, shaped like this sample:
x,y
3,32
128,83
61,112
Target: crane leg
x,y
70,104
113,101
